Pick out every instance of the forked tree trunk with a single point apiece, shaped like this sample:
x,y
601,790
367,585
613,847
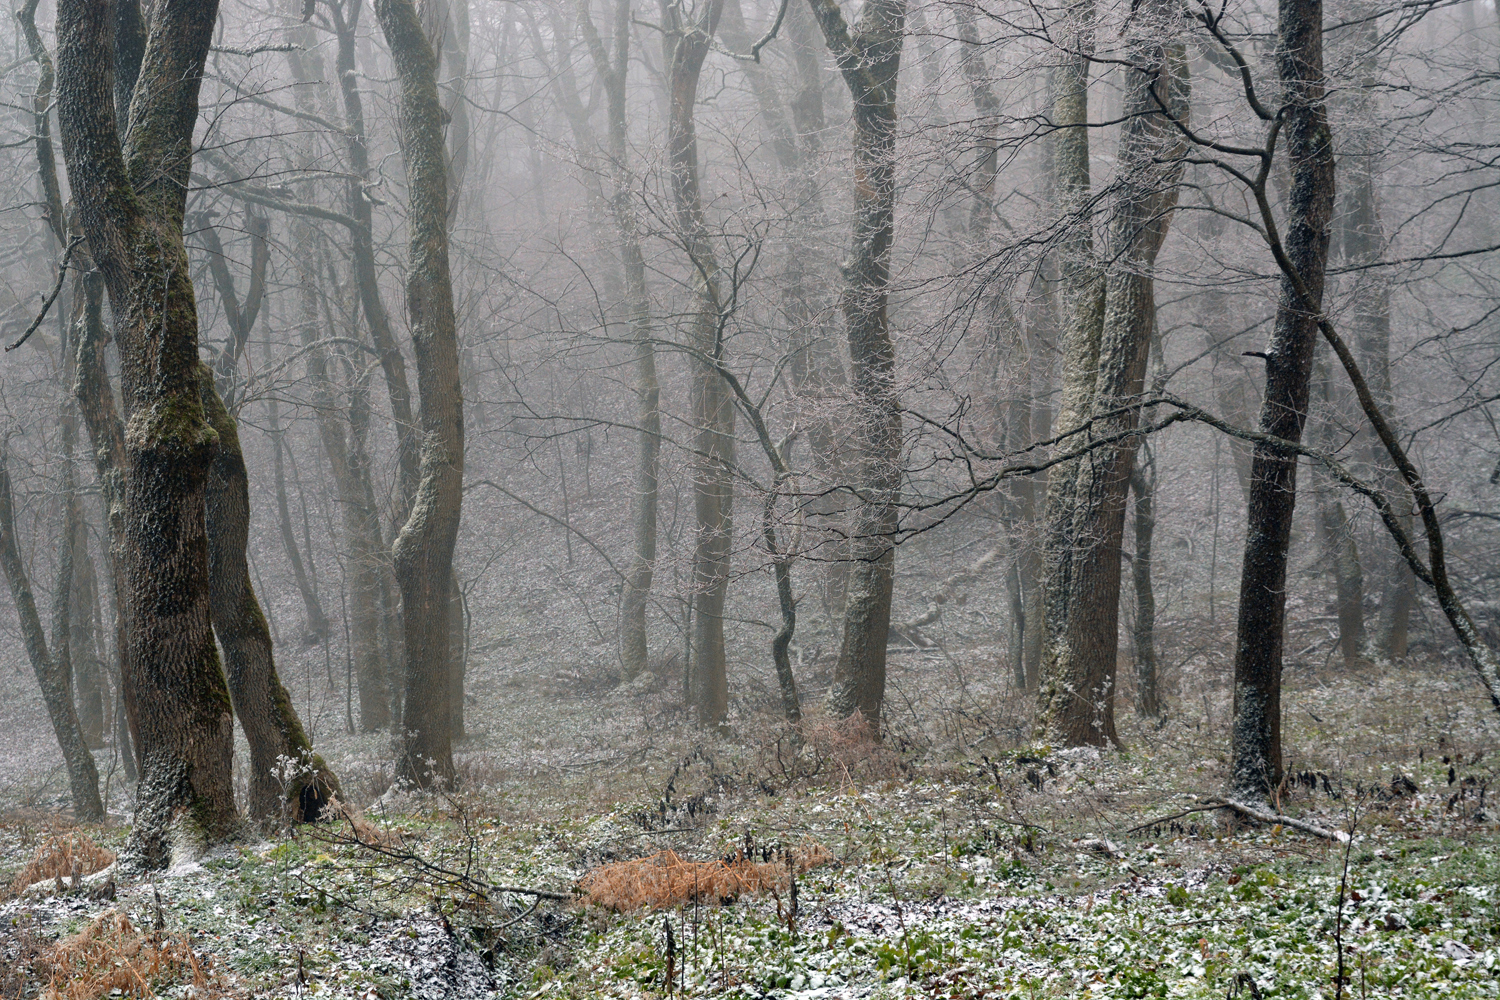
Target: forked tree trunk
x,y
57,692
423,552
1255,744
131,210
868,56
1087,497
684,50
261,703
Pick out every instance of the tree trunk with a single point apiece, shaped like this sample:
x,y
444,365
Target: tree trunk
x,y
1337,536
362,253
1256,738
96,402
423,552
367,556
1147,693
1363,240
634,651
261,703
131,209
90,691
1102,375
57,692
713,413
814,364
869,58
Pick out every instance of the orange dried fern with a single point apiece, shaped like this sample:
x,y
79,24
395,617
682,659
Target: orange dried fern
x,y
664,879
63,856
111,954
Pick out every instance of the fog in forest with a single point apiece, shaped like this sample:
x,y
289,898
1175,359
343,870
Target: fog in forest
x,y
753,497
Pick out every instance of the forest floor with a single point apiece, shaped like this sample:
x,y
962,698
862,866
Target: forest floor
x,y
953,860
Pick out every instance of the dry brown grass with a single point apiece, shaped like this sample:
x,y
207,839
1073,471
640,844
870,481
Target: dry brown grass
x,y
664,879
111,954
63,856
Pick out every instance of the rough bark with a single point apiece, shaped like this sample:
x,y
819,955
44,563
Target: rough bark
x,y
684,51
868,56
1255,744
423,552
1102,374
130,205
57,691
261,703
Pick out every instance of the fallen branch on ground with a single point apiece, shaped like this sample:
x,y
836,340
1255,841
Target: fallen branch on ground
x,y
1250,812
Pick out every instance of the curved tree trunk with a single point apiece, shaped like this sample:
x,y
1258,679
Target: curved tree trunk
x,y
423,552
130,205
261,703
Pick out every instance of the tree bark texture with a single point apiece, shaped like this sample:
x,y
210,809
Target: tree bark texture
x,y
272,728
868,56
1255,743
1087,497
57,692
423,551
684,51
130,204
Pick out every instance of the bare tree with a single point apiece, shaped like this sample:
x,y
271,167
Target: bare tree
x,y
423,552
868,55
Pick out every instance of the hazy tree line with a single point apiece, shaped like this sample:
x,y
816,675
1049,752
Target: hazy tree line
x,y
354,337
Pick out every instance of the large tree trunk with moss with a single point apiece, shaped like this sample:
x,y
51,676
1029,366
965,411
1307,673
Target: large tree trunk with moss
x,y
130,204
261,702
57,692
1255,742
1103,373
423,552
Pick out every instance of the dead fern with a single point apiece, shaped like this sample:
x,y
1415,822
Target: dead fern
x,y
112,957
664,879
65,856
